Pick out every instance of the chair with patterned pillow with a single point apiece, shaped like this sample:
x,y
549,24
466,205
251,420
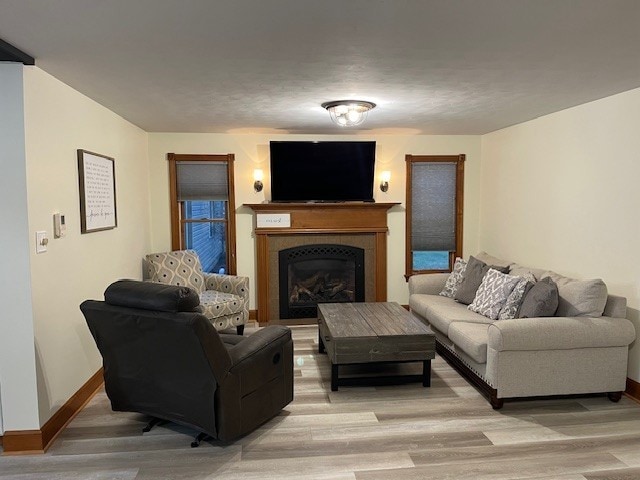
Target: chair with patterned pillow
x,y
224,299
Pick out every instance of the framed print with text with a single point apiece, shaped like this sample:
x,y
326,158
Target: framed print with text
x,y
97,192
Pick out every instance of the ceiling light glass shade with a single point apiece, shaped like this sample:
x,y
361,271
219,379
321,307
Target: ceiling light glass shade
x,y
348,113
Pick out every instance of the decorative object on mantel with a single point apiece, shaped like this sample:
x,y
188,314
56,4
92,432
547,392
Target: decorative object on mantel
x,y
348,113
385,177
96,174
257,180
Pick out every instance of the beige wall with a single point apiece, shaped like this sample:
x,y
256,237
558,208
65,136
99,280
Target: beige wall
x,y
59,120
561,192
252,151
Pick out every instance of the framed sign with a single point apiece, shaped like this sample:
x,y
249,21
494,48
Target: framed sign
x,y
97,192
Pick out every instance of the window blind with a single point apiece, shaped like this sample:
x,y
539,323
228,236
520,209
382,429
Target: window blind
x,y
433,203
202,181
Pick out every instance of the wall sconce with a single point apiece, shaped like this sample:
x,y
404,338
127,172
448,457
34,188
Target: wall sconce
x,y
257,180
384,180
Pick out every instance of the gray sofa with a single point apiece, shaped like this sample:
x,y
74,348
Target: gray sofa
x,y
527,357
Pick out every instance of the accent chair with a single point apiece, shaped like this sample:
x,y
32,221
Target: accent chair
x,y
224,299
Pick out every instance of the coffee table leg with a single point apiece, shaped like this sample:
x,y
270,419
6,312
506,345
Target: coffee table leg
x,y
321,348
334,377
426,373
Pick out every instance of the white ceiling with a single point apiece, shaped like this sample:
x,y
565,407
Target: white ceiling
x,y
432,66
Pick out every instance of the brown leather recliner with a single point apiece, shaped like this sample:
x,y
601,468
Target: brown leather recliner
x,y
163,359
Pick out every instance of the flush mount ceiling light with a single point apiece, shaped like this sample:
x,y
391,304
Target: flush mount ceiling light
x,y
348,113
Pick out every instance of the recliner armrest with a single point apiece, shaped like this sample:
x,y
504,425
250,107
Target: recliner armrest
x,y
260,343
560,333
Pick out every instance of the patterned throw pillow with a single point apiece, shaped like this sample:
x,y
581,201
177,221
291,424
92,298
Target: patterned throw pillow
x,y
511,306
493,293
454,279
472,278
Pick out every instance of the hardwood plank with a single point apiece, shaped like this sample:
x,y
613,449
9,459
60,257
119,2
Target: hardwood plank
x,y
383,444
71,475
334,464
549,465
617,474
514,452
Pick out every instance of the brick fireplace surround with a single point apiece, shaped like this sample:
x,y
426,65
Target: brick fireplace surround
x,y
358,224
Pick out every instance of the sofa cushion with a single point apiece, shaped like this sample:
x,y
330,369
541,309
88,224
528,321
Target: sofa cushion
x,y
471,338
219,304
473,275
579,298
454,279
513,302
540,301
491,260
520,271
493,293
441,311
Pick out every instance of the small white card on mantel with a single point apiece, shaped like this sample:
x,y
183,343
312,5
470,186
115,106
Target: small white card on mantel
x,y
273,220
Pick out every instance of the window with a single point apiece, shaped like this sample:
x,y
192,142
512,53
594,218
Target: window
x,y
203,209
434,212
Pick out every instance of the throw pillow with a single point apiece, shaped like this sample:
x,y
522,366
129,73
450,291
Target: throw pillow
x,y
493,293
579,298
473,275
514,300
454,279
541,300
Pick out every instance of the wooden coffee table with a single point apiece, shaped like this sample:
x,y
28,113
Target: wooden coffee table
x,y
381,332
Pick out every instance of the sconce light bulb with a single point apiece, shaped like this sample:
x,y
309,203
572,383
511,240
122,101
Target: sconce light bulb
x,y
385,177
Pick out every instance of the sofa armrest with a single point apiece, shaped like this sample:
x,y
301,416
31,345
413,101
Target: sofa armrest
x,y
428,283
227,284
560,333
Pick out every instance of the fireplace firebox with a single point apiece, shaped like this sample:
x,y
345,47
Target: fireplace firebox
x,y
312,274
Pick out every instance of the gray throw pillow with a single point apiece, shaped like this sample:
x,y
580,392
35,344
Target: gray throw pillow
x,y
473,275
454,278
579,298
541,300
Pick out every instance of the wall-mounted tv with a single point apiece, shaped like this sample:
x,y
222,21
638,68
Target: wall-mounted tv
x,y
322,171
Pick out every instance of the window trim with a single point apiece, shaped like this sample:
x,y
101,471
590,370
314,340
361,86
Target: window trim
x,y
410,160
176,233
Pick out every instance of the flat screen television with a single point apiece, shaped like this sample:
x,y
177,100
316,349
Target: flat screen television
x,y
322,171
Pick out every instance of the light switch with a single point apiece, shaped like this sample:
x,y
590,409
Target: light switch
x,y
41,242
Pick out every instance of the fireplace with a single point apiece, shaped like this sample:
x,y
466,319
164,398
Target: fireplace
x,y
323,273
362,225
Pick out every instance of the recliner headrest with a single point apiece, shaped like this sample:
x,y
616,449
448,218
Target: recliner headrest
x,y
151,296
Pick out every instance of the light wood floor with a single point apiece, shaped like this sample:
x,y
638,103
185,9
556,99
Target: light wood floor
x,y
447,431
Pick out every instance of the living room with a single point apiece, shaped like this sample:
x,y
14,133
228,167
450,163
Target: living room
x,y
557,190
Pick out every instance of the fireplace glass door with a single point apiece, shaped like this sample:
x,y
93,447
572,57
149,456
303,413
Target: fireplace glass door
x,y
312,274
